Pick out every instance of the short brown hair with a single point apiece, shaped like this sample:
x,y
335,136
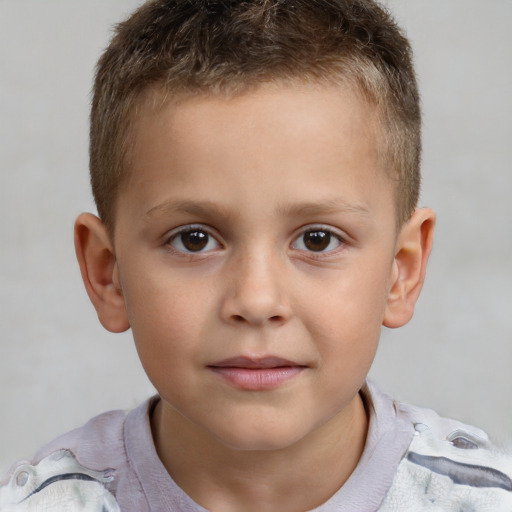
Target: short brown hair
x,y
229,45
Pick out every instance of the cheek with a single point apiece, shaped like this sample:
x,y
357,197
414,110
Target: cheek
x,y
166,317
347,303
161,299
345,316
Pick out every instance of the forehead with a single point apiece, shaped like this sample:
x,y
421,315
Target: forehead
x,y
280,136
285,96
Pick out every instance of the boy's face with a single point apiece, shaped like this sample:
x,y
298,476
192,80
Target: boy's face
x,y
255,243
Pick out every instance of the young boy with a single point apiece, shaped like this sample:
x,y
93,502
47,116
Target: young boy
x,y
256,171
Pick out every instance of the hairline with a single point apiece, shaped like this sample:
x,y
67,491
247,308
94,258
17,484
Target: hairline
x,y
159,95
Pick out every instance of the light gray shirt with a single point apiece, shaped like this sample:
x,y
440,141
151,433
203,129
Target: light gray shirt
x,y
413,460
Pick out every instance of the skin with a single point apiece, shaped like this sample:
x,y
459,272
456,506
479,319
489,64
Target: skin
x,y
257,176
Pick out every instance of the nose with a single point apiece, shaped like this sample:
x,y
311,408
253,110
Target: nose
x,y
256,293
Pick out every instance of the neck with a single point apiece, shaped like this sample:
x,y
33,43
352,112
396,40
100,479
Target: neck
x,y
223,479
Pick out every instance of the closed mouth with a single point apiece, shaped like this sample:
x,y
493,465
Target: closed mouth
x,y
249,363
256,374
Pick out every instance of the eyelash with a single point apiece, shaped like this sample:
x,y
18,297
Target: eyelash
x,y
332,234
190,228
176,235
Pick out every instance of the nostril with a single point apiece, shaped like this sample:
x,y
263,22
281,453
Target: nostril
x,y
276,320
239,319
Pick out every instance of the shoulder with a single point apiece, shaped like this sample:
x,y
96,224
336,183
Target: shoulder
x,y
85,442
99,441
449,466
79,470
57,480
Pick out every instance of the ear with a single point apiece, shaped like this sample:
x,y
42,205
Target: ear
x,y
98,266
414,244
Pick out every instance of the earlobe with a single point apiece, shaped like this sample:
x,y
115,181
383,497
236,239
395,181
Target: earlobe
x,y
100,273
414,244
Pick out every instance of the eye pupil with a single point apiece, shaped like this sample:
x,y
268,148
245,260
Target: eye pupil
x,y
194,240
317,240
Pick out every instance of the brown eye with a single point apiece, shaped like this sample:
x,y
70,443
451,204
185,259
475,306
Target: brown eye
x,y
193,240
317,240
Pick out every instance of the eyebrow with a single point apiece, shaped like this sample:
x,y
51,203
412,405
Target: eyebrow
x,y
323,207
199,208
304,209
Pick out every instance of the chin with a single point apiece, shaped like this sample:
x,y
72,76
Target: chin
x,y
260,438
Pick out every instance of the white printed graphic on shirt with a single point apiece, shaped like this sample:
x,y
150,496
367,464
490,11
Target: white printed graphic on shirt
x,y
58,483
462,473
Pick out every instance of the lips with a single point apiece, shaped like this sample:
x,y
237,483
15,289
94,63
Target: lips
x,y
257,374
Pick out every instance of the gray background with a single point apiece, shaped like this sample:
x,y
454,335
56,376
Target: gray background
x,y
57,365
